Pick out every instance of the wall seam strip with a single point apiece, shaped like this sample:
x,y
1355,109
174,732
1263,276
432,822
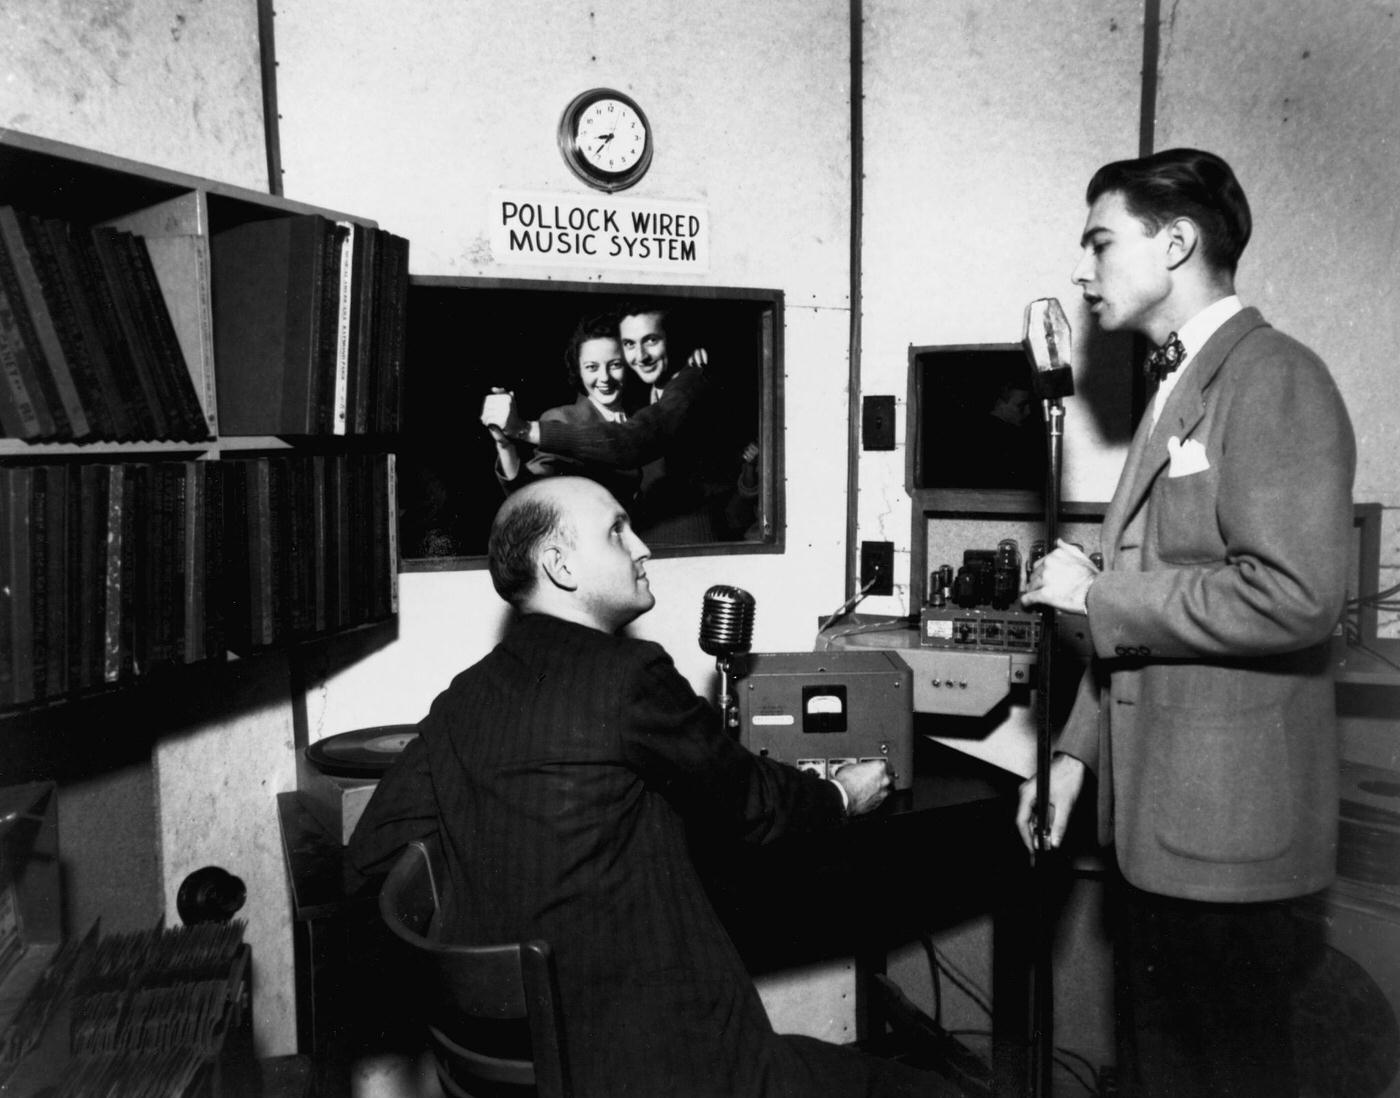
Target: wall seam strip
x,y
267,60
1151,49
857,205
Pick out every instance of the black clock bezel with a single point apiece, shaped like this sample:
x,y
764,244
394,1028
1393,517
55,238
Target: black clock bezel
x,y
600,178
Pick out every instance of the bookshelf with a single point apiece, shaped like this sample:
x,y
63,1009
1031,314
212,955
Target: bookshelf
x,y
167,502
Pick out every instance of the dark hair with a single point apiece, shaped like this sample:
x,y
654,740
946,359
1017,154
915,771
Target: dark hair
x,y
601,326
519,528
639,306
679,339
1183,183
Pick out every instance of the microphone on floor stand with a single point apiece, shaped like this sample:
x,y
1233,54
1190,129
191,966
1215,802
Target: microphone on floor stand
x,y
726,630
1047,342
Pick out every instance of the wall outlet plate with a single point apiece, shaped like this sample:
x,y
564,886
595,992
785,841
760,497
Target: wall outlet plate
x,y
877,423
877,562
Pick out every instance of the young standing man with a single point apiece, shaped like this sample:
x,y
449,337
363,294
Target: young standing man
x,y
1207,713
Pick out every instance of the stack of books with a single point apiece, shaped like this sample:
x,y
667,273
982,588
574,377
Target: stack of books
x,y
311,546
109,571
309,327
88,350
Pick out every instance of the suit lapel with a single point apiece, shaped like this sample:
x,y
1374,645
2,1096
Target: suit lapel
x,y
1184,410
1118,513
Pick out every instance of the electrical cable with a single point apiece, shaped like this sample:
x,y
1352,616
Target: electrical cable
x,y
931,952
1376,655
942,966
884,626
964,983
1351,623
850,604
1094,1084
1387,593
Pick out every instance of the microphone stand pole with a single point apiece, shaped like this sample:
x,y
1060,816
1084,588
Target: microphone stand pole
x,y
1042,979
728,704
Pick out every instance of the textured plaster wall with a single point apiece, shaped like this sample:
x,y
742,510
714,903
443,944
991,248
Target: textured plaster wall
x,y
168,82
1303,100
218,776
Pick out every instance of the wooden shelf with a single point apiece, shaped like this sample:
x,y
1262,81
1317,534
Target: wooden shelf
x,y
56,179
179,217
996,502
107,451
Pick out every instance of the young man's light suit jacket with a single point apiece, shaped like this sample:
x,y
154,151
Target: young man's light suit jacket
x,y
1208,711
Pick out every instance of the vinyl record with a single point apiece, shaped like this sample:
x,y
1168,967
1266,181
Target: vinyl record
x,y
1368,839
1370,792
361,752
1345,1033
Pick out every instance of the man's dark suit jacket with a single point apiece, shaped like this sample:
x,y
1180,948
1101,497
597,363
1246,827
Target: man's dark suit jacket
x,y
556,773
682,499
622,482
643,438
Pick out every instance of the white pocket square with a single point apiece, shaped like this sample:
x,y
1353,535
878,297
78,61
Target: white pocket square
x,y
1186,457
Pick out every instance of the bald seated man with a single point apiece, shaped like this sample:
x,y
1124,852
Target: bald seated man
x,y
559,774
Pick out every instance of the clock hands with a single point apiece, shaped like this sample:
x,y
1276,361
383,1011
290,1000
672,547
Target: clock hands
x,y
605,139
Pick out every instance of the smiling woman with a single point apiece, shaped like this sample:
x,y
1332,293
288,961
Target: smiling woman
x,y
595,367
691,450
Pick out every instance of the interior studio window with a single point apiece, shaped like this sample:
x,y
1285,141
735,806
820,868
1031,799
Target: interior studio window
x,y
977,431
710,483
980,424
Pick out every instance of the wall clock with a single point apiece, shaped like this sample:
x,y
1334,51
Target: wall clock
x,y
605,139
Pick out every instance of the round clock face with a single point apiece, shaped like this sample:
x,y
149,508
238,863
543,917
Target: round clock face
x,y
605,139
610,135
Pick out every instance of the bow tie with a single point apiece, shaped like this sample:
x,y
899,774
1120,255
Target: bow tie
x,y
1165,359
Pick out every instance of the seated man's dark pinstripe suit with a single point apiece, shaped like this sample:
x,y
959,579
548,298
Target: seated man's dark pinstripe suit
x,y
558,773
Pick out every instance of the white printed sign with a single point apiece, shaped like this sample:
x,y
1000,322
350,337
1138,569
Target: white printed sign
x,y
544,229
